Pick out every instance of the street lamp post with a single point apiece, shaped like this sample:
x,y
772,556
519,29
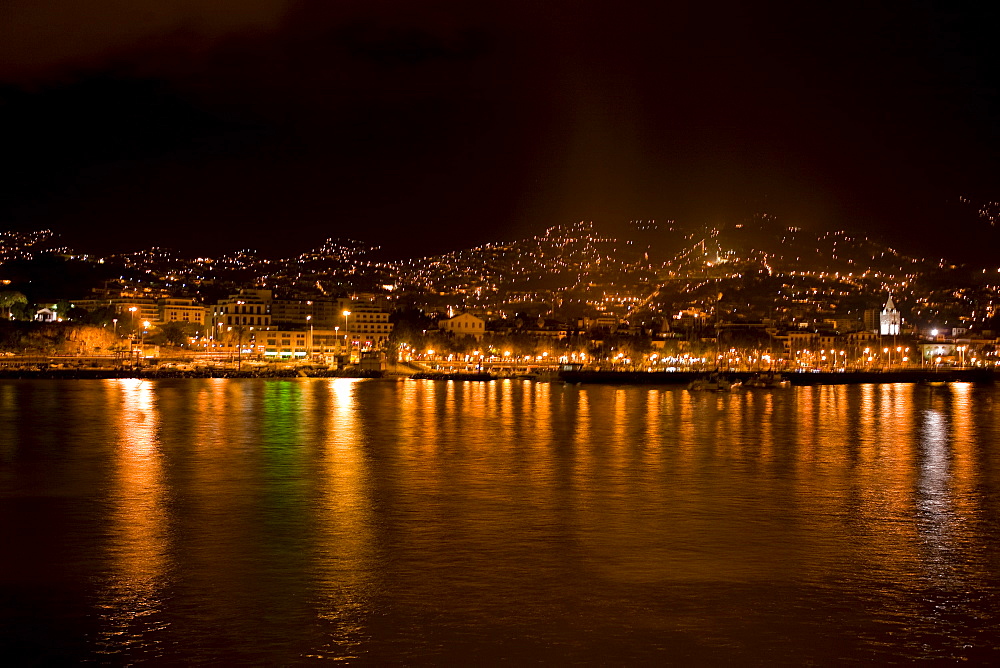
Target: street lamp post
x,y
115,347
346,335
309,351
239,346
142,340
132,310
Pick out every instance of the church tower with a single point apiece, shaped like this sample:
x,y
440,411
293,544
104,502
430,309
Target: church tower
x,y
890,320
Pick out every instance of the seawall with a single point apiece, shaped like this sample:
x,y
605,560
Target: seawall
x,y
796,378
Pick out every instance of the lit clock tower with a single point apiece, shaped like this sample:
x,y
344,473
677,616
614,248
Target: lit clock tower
x,y
890,320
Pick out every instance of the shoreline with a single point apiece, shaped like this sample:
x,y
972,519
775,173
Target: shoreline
x,y
569,377
795,377
153,373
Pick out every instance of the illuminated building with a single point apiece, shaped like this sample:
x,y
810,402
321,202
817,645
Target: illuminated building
x,y
248,307
890,319
464,324
368,323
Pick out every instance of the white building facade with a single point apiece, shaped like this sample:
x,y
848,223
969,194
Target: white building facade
x,y
890,320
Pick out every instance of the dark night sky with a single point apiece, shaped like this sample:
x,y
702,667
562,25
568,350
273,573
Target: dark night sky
x,y
429,126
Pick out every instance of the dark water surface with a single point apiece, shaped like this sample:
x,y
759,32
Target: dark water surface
x,y
421,522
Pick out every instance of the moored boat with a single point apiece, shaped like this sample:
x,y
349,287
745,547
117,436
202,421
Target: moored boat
x,y
768,381
713,383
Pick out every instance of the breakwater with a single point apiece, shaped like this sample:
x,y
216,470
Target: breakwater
x,y
796,378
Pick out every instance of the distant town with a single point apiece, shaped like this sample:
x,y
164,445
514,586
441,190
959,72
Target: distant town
x,y
755,295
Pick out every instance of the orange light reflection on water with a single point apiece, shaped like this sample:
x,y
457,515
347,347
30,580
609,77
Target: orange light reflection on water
x,y
139,537
345,561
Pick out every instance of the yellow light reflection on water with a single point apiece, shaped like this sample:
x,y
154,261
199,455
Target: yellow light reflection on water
x,y
345,558
325,494
139,528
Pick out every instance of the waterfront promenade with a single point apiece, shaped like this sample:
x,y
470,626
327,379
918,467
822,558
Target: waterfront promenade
x,y
610,377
